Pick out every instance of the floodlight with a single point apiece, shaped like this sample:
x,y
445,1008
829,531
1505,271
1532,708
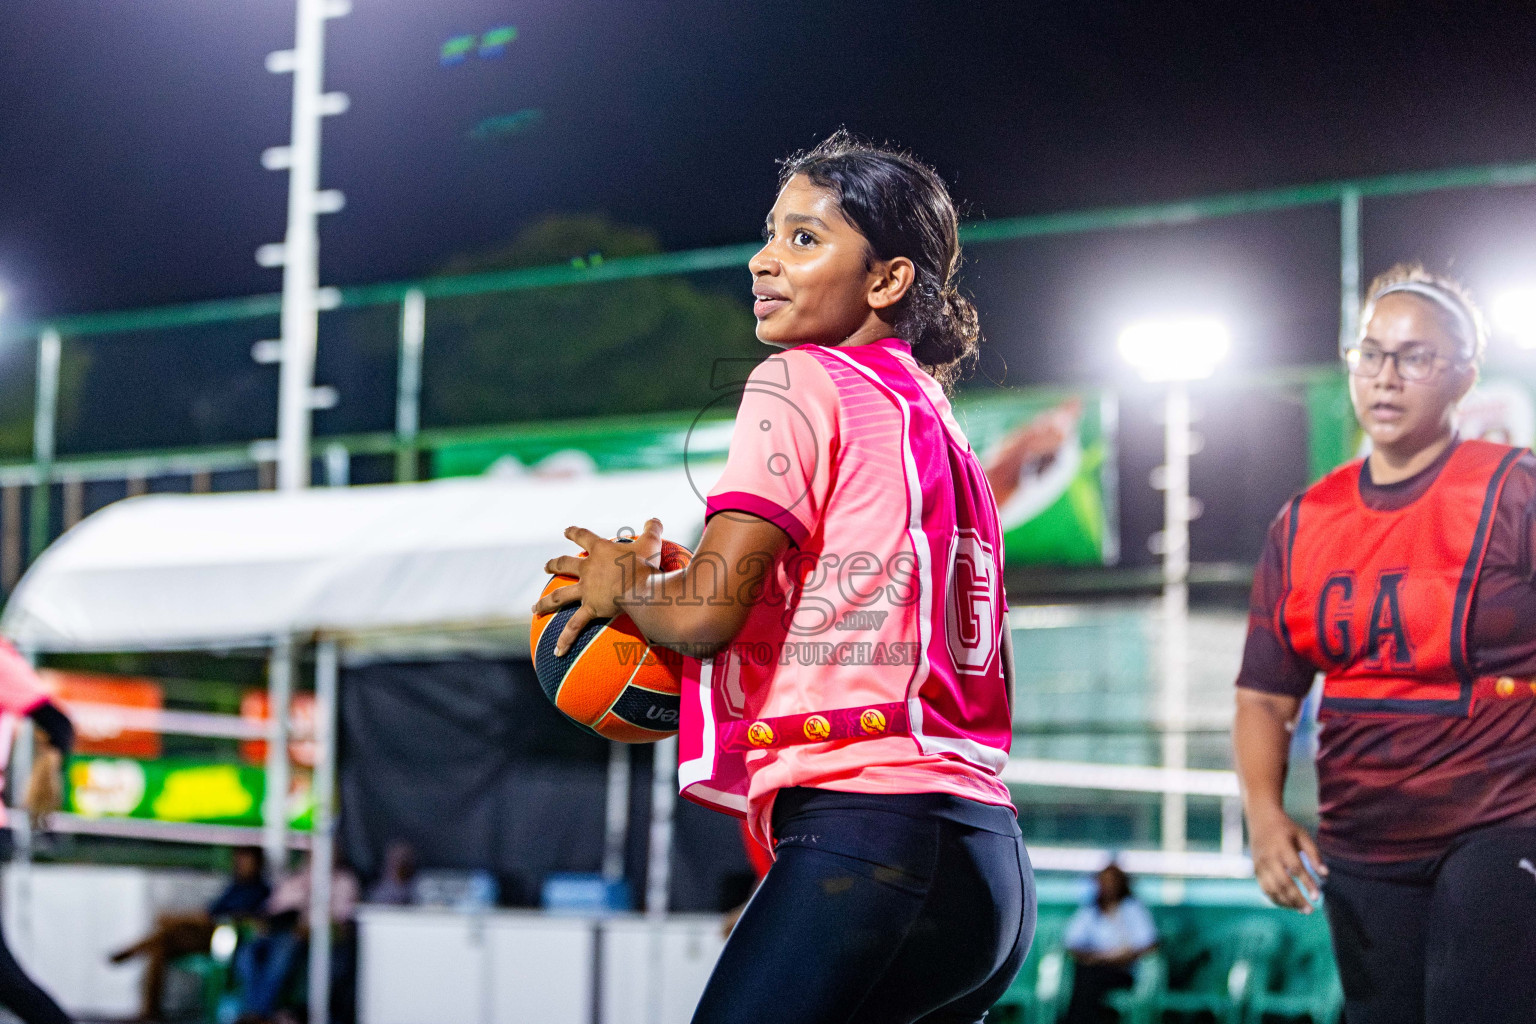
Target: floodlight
x,y
1186,348
1514,314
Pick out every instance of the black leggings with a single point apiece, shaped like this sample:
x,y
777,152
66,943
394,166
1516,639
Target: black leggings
x,y
20,995
1447,940
887,909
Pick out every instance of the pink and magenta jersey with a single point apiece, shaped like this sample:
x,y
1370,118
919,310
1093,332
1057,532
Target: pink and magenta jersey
x,y
876,659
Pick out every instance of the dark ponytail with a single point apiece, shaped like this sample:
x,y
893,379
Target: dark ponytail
x,y
902,208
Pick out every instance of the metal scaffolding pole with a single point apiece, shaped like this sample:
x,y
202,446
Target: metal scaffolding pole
x,y
1175,692
274,807
413,333
1349,268
44,431
1173,353
616,811
658,879
663,798
323,836
299,252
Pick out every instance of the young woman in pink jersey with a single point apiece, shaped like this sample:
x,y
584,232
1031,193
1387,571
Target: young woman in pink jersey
x,y
851,696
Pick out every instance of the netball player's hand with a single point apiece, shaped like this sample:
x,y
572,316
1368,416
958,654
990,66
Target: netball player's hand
x,y
610,570
1278,846
45,786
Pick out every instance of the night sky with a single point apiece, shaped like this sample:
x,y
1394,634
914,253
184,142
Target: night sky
x,y
131,134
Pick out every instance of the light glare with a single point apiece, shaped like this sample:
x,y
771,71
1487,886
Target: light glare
x,y
1181,349
222,946
1514,314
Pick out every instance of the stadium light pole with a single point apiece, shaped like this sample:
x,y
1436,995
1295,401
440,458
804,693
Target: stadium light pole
x,y
1173,353
50,347
1349,267
297,397
299,252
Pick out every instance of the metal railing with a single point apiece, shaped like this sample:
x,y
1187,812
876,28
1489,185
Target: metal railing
x,y
47,469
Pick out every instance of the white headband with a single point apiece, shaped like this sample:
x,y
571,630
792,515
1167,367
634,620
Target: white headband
x,y
1446,301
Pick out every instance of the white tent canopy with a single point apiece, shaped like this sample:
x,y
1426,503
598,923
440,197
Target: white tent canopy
x,y
423,564
417,569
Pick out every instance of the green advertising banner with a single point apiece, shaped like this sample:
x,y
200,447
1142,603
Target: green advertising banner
x,y
590,446
1333,436
1049,457
1500,408
1050,460
171,789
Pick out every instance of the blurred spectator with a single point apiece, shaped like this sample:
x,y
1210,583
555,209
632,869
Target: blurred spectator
x,y
177,935
265,965
1105,938
247,891
397,883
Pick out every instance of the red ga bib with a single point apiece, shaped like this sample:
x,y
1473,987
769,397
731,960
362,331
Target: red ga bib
x,y
1379,600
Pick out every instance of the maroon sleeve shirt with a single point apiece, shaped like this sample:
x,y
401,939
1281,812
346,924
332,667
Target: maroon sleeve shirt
x,y
1401,787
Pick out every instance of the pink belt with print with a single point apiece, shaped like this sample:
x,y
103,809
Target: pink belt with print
x,y
865,722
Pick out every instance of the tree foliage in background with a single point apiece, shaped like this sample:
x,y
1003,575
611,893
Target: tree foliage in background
x,y
636,346
644,345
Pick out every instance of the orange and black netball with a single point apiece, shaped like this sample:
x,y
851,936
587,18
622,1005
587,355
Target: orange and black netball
x,y
611,681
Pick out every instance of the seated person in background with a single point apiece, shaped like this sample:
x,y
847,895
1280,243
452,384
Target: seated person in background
x,y
265,965
247,892
396,884
182,933
1105,937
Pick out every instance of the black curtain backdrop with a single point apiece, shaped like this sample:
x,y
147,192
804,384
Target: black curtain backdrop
x,y
468,762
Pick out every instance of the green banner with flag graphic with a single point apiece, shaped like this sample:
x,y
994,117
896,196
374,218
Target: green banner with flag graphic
x,y
1049,457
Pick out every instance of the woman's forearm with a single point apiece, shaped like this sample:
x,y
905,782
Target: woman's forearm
x,y
1261,740
669,611
699,609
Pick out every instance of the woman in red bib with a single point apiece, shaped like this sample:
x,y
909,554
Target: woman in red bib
x,y
1408,579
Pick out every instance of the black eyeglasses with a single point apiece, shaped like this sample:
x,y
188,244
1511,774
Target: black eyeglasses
x,y
1412,362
